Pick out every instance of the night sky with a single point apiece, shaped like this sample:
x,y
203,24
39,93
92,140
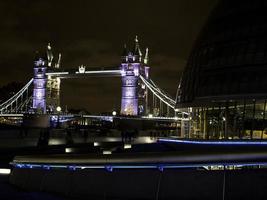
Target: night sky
x,y
92,33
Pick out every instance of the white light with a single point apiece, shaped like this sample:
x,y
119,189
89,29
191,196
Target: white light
x,y
5,171
58,108
58,80
96,144
176,110
150,116
107,152
224,119
114,113
143,86
56,73
127,146
103,71
68,150
81,69
11,115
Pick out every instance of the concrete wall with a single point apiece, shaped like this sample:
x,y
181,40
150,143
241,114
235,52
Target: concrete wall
x,y
144,183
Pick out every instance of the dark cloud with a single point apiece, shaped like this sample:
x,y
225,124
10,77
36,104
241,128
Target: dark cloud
x,y
93,33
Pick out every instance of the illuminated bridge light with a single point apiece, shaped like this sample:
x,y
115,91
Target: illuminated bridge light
x,y
100,72
56,73
164,118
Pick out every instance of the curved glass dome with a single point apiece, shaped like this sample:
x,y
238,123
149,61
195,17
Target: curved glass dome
x,y
229,59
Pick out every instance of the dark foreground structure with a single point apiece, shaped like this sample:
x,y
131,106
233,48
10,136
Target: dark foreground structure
x,y
224,91
224,84
235,172
145,183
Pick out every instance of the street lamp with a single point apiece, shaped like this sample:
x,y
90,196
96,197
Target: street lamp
x,y
58,109
114,113
58,112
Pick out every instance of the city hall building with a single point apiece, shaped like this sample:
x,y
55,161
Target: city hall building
x,y
224,85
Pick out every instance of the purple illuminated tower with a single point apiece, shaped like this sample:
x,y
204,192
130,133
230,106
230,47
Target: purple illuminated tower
x,y
131,69
39,85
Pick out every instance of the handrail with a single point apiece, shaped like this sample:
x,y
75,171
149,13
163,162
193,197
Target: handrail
x,y
148,159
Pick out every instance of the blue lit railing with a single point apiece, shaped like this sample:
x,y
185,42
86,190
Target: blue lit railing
x,y
215,142
159,167
160,160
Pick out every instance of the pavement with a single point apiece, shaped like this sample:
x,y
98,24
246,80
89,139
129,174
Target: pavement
x,y
9,192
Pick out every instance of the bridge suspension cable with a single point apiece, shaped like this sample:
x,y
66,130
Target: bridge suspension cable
x,y
12,103
158,92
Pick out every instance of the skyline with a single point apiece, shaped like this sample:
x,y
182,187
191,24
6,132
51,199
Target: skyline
x,y
100,43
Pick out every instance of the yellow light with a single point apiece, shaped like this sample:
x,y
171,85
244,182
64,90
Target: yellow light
x,y
68,150
58,108
127,146
96,144
107,152
5,171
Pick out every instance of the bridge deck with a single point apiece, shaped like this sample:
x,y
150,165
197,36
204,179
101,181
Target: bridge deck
x,y
92,72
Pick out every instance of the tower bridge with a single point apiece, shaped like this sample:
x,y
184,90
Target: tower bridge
x,y
41,95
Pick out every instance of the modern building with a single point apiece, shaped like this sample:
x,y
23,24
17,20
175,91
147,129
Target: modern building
x,y
224,86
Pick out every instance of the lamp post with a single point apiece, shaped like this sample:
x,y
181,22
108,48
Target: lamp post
x,y
114,113
58,113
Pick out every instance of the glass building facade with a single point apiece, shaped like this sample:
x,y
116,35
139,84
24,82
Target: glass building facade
x,y
224,85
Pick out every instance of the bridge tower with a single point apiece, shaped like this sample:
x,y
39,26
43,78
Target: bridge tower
x,y
39,85
53,83
133,92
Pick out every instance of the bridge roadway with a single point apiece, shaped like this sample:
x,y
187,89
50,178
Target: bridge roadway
x,y
123,123
104,117
93,72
